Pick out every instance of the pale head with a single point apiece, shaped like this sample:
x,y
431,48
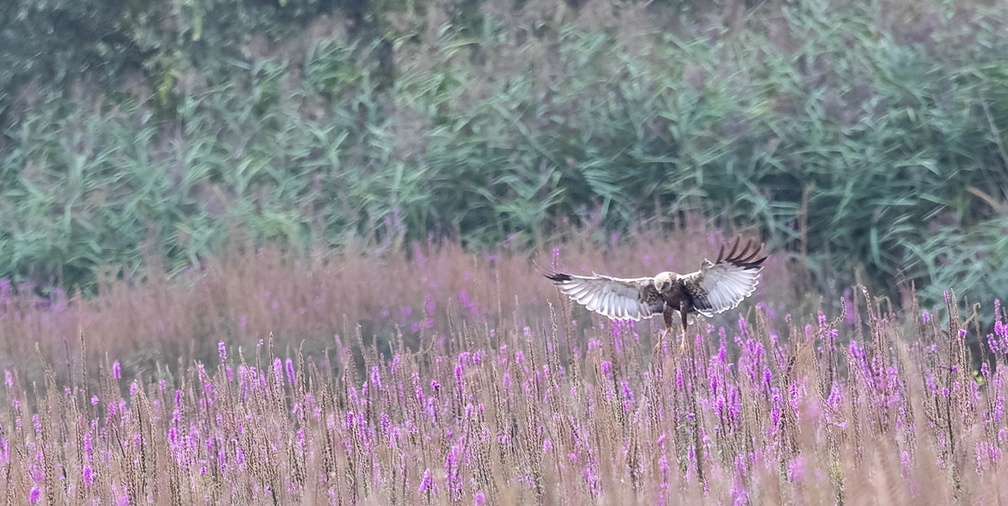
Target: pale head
x,y
663,281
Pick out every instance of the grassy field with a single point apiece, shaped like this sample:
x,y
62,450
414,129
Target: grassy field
x,y
441,376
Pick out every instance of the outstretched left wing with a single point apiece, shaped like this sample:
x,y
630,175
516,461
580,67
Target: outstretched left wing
x,y
617,298
721,285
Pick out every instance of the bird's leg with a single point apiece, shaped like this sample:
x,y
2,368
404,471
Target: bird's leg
x,y
682,342
668,317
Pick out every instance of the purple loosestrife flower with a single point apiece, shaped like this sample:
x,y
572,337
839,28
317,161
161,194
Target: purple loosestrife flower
x,y
88,446
429,305
385,424
222,351
278,372
34,495
290,371
999,345
87,474
734,404
740,496
628,398
468,304
116,370
796,469
458,374
453,481
426,483
775,409
794,393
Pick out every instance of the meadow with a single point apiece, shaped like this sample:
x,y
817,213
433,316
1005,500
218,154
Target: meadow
x,y
442,376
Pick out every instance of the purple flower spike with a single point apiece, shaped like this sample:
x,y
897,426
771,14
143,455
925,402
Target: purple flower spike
x,y
290,370
426,482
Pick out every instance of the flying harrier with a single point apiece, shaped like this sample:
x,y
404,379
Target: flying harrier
x,y
717,287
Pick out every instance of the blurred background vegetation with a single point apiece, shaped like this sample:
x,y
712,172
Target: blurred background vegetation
x,y
866,139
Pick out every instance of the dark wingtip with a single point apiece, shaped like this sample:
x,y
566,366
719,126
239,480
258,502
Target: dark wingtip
x,y
747,256
557,277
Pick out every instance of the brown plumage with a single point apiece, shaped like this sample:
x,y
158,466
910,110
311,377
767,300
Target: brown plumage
x,y
717,287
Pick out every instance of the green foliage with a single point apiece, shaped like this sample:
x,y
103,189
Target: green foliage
x,y
872,149
160,42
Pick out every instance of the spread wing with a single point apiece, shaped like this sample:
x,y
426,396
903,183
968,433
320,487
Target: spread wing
x,y
721,285
618,298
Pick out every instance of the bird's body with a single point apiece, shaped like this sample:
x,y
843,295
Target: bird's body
x,y
717,287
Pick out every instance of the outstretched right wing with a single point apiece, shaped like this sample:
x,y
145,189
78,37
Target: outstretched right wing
x,y
722,284
617,298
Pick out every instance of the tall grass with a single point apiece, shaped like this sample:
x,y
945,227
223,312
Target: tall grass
x,y
489,388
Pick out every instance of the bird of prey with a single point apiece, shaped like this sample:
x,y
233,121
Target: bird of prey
x,y
717,287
